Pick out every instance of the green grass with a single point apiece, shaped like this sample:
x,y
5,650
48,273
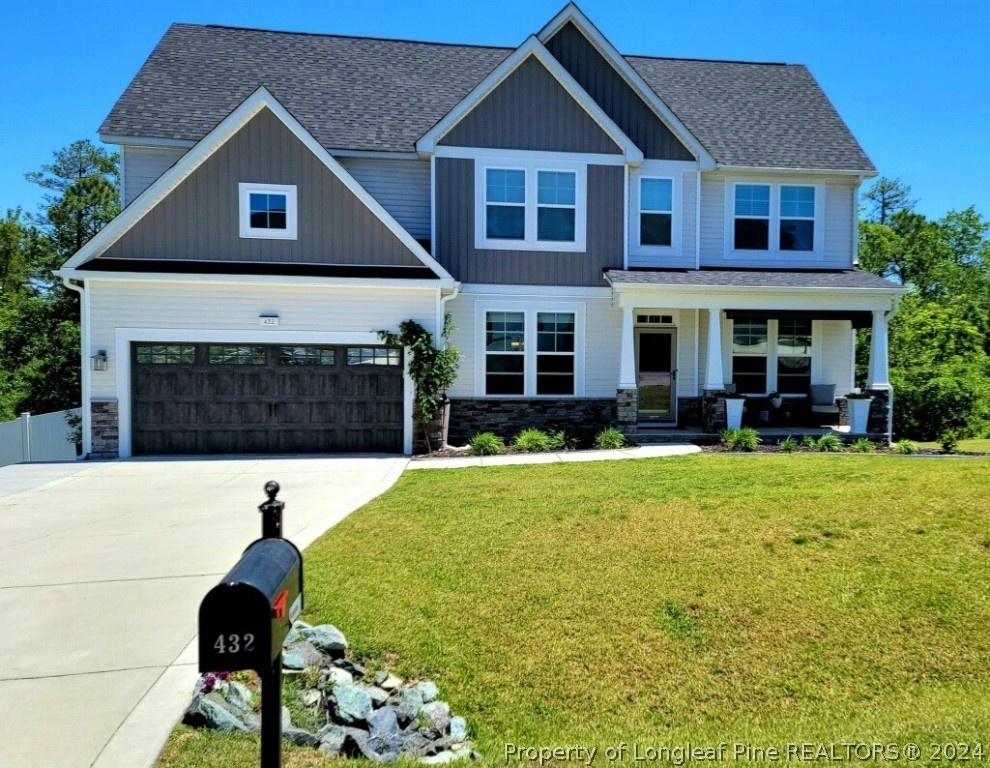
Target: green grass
x,y
965,446
696,599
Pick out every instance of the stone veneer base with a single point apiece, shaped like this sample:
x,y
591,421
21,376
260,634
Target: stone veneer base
x,y
104,427
508,417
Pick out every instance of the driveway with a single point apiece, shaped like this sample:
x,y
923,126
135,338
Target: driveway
x,y
102,567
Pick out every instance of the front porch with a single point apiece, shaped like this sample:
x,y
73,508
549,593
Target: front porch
x,y
693,361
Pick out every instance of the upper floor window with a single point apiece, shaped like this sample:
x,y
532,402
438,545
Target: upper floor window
x,y
777,218
268,211
752,214
797,218
530,206
656,211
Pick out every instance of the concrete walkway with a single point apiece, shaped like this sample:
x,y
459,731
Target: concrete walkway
x,y
102,567
643,452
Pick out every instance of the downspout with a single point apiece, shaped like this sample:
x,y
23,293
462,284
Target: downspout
x,y
84,372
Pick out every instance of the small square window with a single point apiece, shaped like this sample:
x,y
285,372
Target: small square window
x,y
268,211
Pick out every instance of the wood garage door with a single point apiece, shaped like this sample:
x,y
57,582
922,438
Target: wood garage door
x,y
261,398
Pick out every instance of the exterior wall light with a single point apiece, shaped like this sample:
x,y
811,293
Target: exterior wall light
x,y
98,362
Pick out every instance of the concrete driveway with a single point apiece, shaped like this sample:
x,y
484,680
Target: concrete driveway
x,y
102,567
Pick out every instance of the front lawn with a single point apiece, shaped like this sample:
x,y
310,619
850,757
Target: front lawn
x,y
762,599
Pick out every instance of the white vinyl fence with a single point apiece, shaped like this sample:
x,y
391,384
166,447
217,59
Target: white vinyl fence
x,y
45,437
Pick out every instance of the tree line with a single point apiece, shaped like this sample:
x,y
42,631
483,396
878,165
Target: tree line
x,y
939,339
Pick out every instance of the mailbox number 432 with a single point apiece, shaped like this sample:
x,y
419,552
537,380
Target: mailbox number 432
x,y
234,643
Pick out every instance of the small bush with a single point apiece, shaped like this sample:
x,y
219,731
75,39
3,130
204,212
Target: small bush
x,y
486,444
905,447
609,439
829,444
863,446
809,441
949,441
562,440
745,439
532,441
788,444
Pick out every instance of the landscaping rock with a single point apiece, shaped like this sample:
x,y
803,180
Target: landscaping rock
x,y
383,731
357,744
380,677
428,691
309,697
458,728
350,704
308,651
407,704
327,638
294,661
299,737
205,712
436,715
240,696
338,676
252,721
414,743
389,682
442,758
331,741
378,695
351,666
286,718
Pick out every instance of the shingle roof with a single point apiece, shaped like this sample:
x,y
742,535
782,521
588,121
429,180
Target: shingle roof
x,y
847,278
382,95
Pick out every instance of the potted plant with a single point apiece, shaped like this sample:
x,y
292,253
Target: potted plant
x,y
859,411
734,410
775,399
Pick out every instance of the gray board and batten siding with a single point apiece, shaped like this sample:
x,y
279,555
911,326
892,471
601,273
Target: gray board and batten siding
x,y
530,110
617,98
199,219
454,246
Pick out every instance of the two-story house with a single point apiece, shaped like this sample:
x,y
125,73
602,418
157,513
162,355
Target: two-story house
x,y
619,239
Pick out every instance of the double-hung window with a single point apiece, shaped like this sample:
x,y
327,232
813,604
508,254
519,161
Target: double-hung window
x,y
656,212
776,219
797,218
529,206
532,352
267,211
752,217
772,355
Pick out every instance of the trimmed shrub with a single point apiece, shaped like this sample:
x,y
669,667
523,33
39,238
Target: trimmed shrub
x,y
562,440
609,439
949,442
862,445
905,447
486,444
788,444
745,439
532,441
829,444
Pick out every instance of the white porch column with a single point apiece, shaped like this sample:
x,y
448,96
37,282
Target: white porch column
x,y
627,359
878,378
714,377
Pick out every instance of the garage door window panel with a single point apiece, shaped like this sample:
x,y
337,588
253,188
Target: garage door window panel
x,y
237,355
306,356
166,354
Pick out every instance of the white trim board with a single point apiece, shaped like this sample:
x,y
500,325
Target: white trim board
x,y
531,47
389,283
122,351
572,13
209,144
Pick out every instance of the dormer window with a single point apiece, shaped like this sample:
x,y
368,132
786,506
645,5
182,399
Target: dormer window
x,y
530,204
268,211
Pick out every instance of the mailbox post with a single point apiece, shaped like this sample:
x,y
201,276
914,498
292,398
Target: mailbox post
x,y
245,618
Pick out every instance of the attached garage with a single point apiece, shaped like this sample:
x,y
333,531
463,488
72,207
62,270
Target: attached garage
x,y
205,398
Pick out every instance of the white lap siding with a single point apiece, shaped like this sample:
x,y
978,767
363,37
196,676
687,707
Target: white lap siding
x,y
838,342
228,307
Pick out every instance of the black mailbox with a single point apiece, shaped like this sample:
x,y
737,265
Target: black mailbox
x,y
244,619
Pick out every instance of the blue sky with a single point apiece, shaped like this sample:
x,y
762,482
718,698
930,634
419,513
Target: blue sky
x,y
909,77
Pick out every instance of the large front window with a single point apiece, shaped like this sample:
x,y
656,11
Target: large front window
x,y
771,355
527,206
529,352
775,218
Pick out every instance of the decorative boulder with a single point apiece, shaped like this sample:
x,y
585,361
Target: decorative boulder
x,y
407,704
436,715
383,731
350,704
428,691
378,695
204,712
299,737
308,651
293,661
458,729
327,638
331,739
240,696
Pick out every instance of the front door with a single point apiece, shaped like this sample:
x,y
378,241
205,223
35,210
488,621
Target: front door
x,y
655,375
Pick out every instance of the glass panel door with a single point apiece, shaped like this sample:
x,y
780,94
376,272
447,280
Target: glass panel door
x,y
655,375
